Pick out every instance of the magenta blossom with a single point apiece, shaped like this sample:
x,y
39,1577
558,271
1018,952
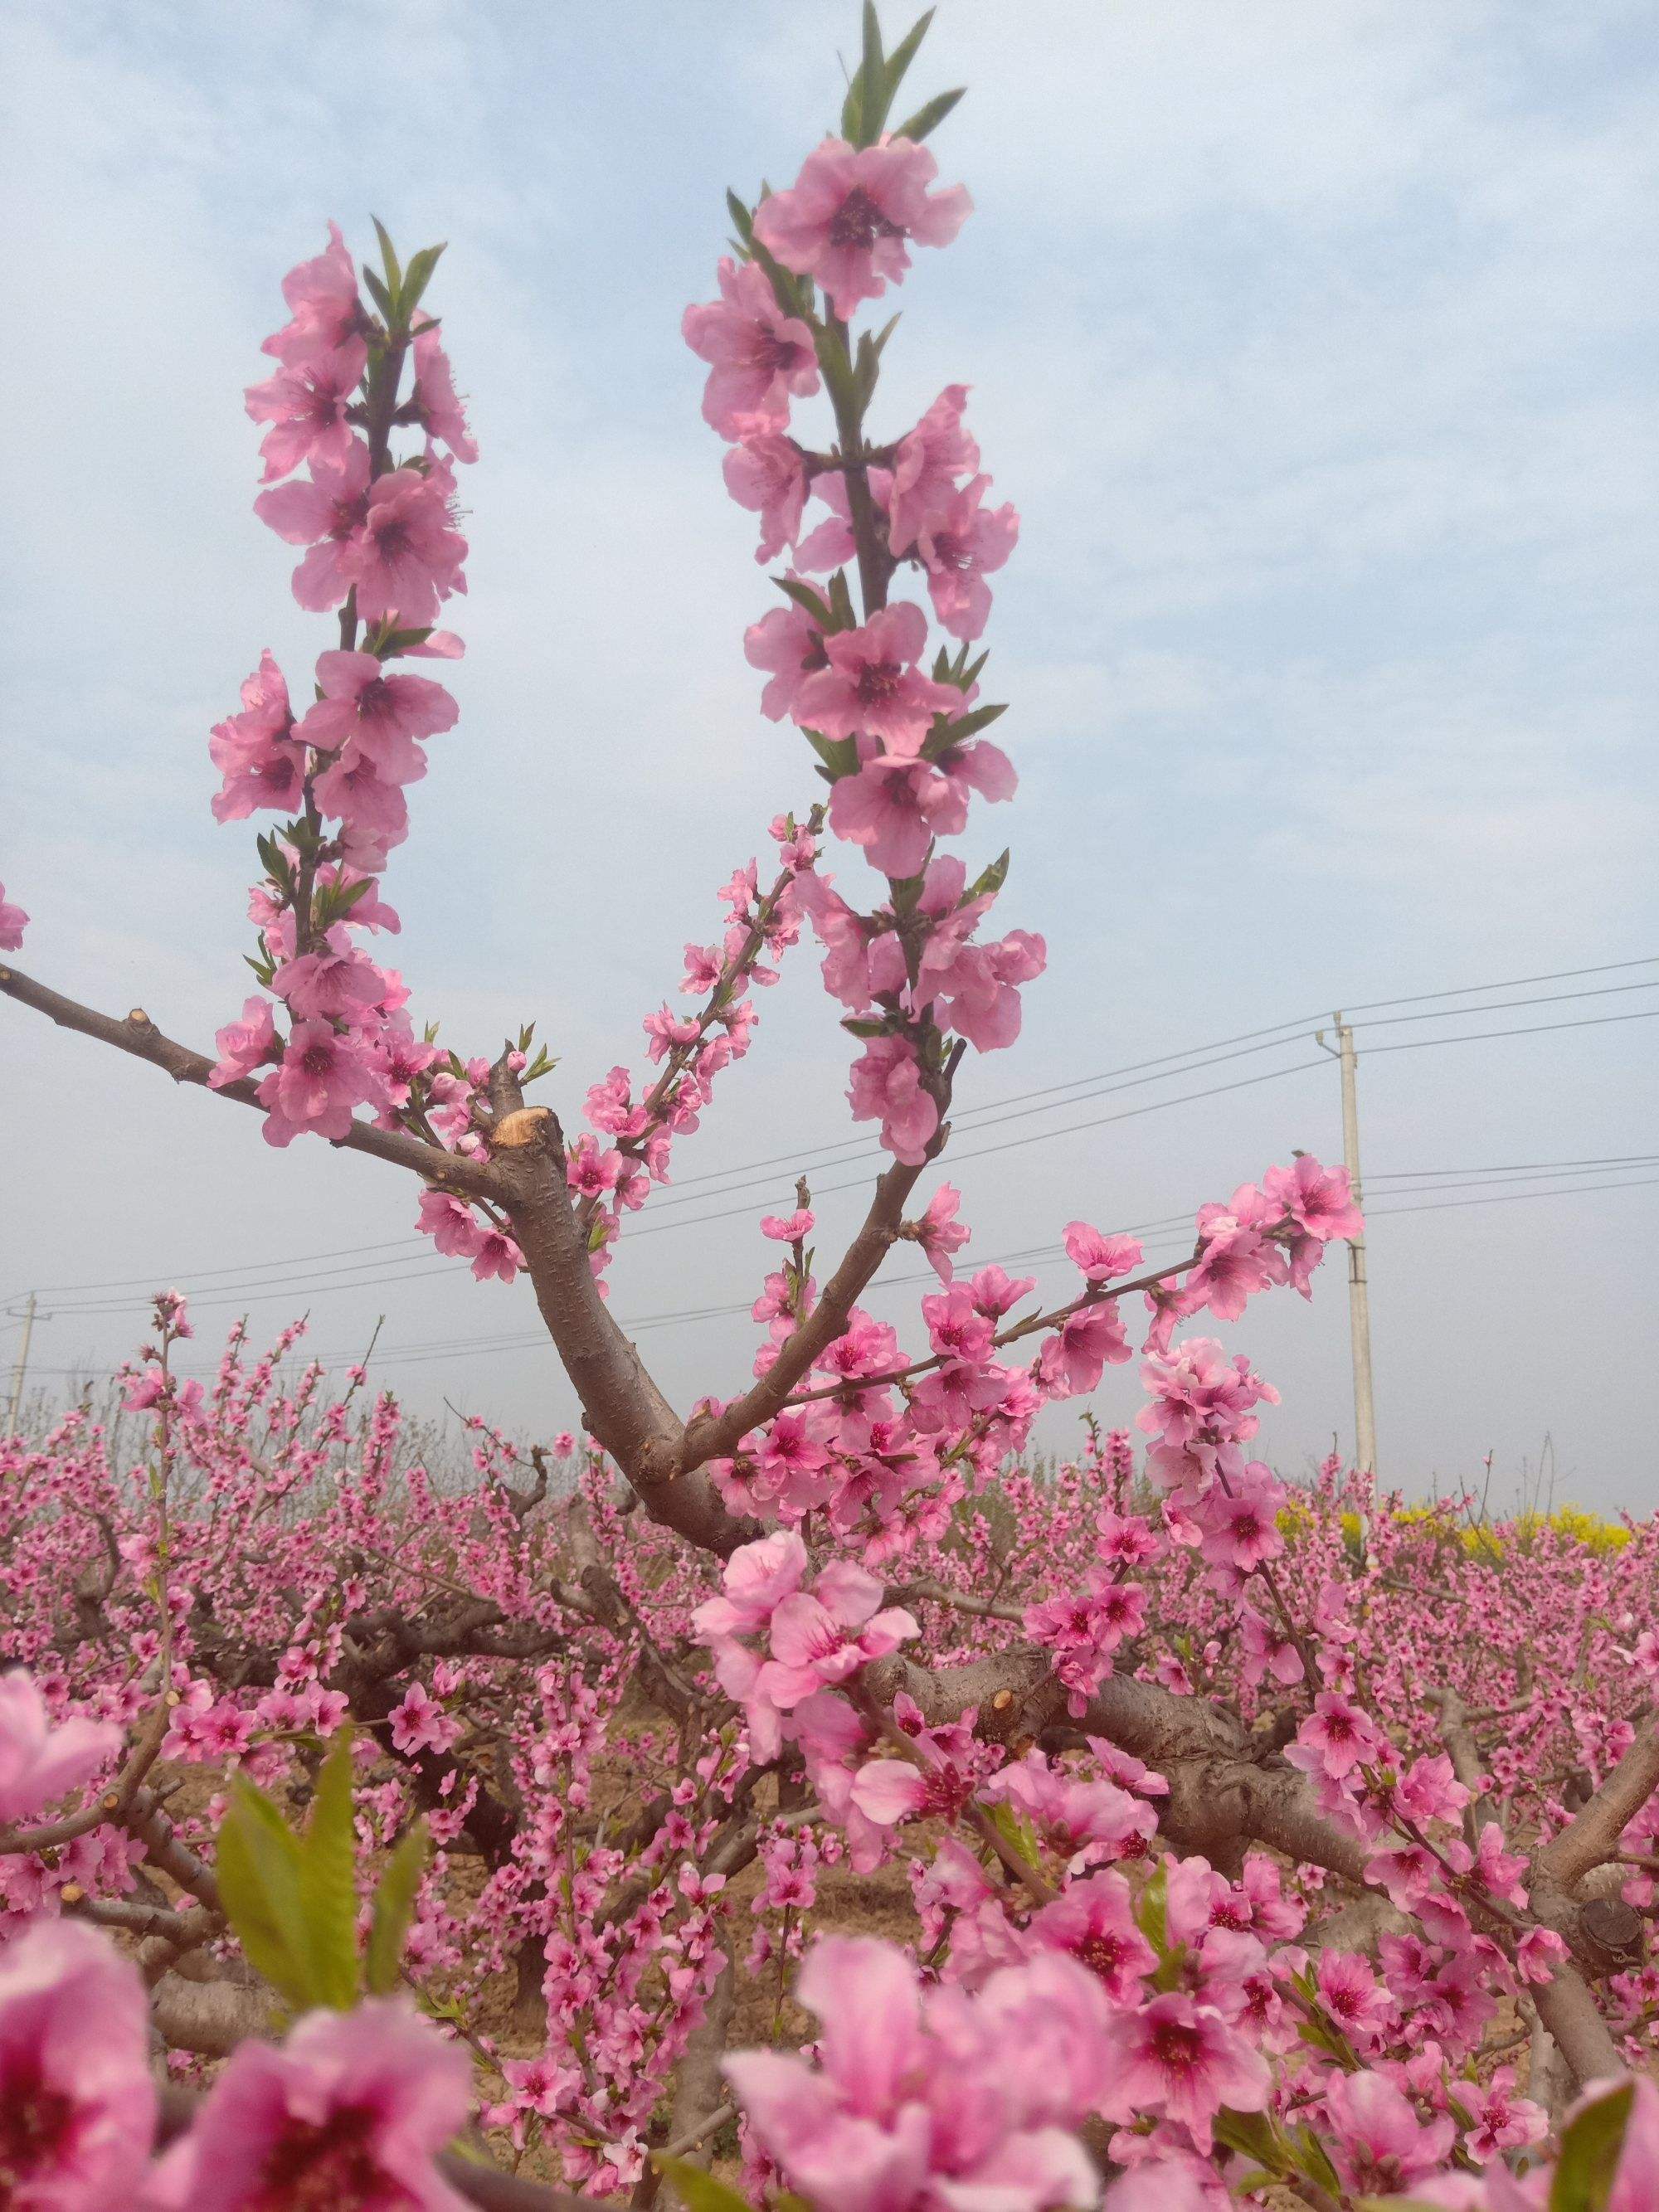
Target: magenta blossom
x,y
322,1079
77,2105
13,922
352,2110
1317,1199
1183,2060
40,1762
758,355
853,211
873,688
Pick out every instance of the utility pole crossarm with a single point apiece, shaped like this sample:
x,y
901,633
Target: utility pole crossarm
x,y
22,1368
1360,1309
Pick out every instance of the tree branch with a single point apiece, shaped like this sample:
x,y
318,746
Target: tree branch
x,y
139,1036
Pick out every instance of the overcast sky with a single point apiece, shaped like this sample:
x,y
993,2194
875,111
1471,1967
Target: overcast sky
x,y
1314,341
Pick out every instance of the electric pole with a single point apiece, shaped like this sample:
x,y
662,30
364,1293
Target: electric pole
x,y
21,1367
1359,1307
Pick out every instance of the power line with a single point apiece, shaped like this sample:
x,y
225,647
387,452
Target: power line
x,y
468,1347
1537,1028
1192,1062
1508,1006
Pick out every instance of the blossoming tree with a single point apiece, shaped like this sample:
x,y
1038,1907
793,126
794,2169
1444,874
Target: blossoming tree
x,y
1217,1880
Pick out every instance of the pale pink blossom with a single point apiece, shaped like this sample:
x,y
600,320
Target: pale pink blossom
x,y
939,1233
326,512
420,1723
758,355
352,2109
887,1085
77,2104
365,712
938,2100
450,1222
766,474
1380,2146
962,543
788,645
305,406
851,213
872,687
436,403
925,468
40,1761
1317,1199
325,308
254,752
408,558
245,1045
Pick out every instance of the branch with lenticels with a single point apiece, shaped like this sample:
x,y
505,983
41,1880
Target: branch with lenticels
x,y
137,1034
1030,1327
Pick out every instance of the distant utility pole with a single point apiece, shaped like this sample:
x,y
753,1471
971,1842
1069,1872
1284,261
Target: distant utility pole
x,y
22,1368
1359,1306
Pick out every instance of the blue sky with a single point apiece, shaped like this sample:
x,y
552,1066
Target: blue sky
x,y
1313,342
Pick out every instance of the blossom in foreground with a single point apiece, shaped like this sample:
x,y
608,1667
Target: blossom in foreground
x,y
936,2100
13,922
77,2105
40,1764
353,2109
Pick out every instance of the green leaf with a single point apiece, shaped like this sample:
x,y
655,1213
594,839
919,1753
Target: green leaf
x,y
328,1885
394,275
841,601
392,1909
991,879
965,726
1252,2134
1016,1832
698,2191
863,1025
415,280
806,598
928,117
742,217
878,343
378,294
839,754
257,1865
1152,1912
903,54
1590,2149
